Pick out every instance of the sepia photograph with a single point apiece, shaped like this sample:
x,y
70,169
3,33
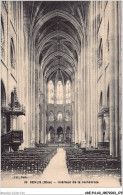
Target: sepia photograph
x,y
61,94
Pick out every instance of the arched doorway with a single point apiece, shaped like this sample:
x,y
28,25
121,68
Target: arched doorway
x,y
51,135
60,134
3,104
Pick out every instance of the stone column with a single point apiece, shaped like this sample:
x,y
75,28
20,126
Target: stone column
x,y
107,122
119,22
73,123
33,94
45,108
96,77
79,99
41,120
64,93
55,93
112,78
88,86
91,78
117,51
73,109
100,133
76,110
83,93
37,102
40,106
30,65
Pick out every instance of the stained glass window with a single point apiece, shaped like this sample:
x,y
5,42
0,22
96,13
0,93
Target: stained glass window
x,y
68,92
50,92
59,93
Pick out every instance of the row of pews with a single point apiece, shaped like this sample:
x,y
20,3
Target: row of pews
x,y
92,161
28,161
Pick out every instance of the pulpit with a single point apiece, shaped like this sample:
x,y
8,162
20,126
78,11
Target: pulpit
x,y
13,137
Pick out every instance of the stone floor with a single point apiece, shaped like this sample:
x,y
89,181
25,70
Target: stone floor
x,y
56,175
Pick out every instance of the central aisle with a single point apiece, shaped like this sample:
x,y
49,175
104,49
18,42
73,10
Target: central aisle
x,y
57,169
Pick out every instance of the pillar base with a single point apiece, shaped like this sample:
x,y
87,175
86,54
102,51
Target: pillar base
x,y
103,145
32,144
83,144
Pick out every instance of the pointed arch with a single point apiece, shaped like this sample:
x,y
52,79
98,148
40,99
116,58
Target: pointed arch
x,y
51,116
3,94
2,39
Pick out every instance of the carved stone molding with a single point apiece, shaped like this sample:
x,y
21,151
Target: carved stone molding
x,y
103,112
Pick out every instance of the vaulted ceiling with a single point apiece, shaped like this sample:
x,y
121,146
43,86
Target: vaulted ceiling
x,y
57,28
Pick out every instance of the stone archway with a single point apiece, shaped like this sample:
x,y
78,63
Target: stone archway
x,y
3,95
51,135
3,104
60,134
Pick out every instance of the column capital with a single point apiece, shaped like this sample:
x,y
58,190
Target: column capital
x,y
100,115
103,112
